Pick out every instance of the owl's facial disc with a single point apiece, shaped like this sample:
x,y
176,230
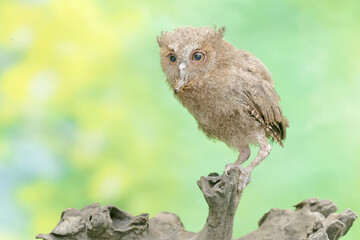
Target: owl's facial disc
x,y
182,81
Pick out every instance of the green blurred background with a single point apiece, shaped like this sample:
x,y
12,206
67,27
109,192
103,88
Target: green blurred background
x,y
86,116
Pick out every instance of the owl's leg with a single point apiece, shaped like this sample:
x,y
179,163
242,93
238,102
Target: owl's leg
x,y
243,156
264,151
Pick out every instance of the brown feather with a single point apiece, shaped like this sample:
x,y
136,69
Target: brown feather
x,y
268,114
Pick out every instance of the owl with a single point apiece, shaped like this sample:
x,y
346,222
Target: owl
x,y
229,92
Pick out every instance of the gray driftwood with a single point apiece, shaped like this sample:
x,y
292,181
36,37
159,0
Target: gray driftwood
x,y
312,219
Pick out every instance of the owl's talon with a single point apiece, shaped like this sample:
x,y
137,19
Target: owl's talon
x,y
228,167
232,165
245,175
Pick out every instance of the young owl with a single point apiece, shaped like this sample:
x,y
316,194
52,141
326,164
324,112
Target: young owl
x,y
228,91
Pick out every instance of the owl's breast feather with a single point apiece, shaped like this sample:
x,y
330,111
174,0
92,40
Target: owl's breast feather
x,y
205,103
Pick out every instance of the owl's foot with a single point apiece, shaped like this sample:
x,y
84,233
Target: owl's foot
x,y
232,165
245,175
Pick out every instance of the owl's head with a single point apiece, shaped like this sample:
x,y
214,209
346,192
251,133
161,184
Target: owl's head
x,y
188,52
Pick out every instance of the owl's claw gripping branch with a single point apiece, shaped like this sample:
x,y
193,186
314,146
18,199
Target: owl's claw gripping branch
x,y
244,178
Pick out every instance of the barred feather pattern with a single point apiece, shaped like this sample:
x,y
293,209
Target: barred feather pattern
x,y
270,118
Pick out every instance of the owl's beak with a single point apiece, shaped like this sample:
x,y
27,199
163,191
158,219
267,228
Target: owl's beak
x,y
181,82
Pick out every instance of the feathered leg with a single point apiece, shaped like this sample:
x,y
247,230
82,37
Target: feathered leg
x,y
264,151
243,156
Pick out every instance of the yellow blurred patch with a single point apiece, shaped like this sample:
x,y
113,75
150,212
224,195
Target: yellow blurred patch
x,y
4,236
109,183
17,15
15,84
29,196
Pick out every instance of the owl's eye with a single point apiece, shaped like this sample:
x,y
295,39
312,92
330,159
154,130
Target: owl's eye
x,y
172,58
198,57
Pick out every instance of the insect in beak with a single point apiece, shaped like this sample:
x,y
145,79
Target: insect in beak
x,y
180,82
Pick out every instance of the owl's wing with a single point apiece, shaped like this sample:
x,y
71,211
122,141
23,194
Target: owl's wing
x,y
267,111
262,101
251,64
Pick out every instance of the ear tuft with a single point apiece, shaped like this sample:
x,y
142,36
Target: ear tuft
x,y
159,39
221,31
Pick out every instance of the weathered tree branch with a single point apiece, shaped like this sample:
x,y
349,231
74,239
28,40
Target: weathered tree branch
x,y
312,219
